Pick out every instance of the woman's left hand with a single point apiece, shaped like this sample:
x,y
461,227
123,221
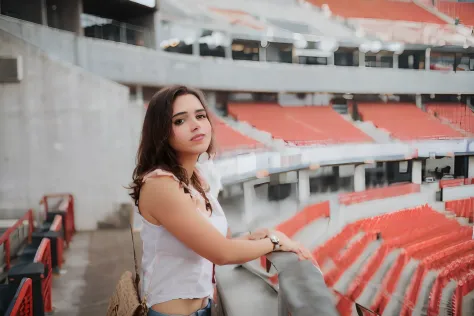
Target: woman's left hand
x,y
259,234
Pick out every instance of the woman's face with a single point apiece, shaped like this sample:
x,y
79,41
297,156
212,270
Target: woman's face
x,y
191,130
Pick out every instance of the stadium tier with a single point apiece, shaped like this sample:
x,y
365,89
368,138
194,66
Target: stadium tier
x,y
406,121
379,9
299,125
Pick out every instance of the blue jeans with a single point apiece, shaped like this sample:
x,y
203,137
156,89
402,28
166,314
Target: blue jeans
x,y
206,311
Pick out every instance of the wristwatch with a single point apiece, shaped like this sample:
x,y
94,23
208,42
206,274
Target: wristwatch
x,y
275,241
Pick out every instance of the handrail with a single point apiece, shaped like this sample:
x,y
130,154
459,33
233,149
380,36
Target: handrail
x,y
5,237
22,303
302,291
67,206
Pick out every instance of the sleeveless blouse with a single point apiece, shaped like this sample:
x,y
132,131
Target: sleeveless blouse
x,y
171,270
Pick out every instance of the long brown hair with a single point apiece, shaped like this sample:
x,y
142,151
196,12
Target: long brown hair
x,y
155,151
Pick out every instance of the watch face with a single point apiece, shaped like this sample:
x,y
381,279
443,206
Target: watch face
x,y
274,239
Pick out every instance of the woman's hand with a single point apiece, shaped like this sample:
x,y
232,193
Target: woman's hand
x,y
288,245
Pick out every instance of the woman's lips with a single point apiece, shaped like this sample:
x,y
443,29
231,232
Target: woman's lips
x,y
198,137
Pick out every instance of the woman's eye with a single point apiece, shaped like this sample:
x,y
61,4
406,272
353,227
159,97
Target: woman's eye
x,y
179,122
201,116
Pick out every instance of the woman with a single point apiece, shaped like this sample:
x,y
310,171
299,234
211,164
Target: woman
x,y
185,230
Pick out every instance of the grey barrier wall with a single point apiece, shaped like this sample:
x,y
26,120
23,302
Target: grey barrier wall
x,y
137,65
302,290
245,290
458,193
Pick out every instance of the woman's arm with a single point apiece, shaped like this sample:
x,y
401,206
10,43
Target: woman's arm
x,y
255,235
164,200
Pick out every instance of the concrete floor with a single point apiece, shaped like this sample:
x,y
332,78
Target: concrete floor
x,y
94,263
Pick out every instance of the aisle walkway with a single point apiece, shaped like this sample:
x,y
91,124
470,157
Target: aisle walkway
x,y
94,263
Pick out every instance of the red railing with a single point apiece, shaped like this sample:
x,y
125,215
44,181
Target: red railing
x,y
23,300
43,255
378,193
66,205
5,238
56,227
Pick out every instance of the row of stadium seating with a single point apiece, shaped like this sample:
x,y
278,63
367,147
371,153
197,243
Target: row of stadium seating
x,y
414,259
314,125
406,122
399,10
229,139
464,11
379,9
435,245
31,250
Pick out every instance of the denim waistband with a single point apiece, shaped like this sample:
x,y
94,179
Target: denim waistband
x,y
206,311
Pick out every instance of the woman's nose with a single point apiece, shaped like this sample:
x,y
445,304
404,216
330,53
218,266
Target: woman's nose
x,y
195,126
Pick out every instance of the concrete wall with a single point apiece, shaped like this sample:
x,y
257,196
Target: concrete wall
x,y
136,65
65,130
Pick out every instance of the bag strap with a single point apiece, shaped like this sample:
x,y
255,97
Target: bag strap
x,y
143,300
137,275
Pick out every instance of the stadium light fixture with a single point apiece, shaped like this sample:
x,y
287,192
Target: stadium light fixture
x,y
173,42
189,40
364,47
328,45
397,48
375,46
165,44
299,41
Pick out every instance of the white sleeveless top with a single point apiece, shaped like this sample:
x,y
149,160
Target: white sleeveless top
x,y
171,270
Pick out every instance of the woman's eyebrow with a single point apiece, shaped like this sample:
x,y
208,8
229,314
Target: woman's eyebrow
x,y
197,111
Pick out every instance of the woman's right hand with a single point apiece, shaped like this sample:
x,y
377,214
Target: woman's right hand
x,y
288,245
